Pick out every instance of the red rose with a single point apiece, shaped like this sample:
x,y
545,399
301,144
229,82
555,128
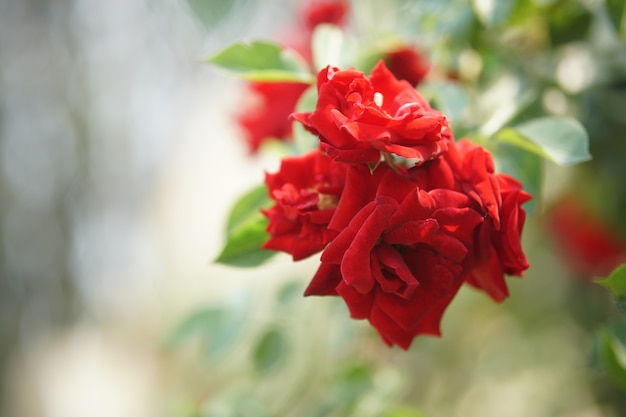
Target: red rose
x,y
310,14
407,63
305,191
267,115
587,243
358,118
271,103
399,259
499,199
317,12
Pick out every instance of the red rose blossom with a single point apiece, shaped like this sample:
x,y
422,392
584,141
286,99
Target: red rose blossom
x,y
316,12
358,118
398,239
499,199
399,260
267,113
585,240
266,116
305,191
407,63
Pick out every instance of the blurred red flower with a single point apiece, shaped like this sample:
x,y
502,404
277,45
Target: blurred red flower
x,y
317,12
266,116
587,243
407,63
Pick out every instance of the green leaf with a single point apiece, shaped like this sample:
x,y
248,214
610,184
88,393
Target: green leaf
x,y
269,351
243,247
262,61
329,47
610,352
505,99
560,139
616,282
245,231
248,205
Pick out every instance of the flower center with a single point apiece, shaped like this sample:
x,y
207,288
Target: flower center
x,y
327,201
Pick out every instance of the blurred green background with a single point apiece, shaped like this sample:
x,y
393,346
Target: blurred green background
x,y
119,163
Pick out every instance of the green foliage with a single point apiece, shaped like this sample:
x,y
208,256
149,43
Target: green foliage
x,y
402,411
609,353
616,283
247,206
243,247
568,21
559,139
617,12
262,61
218,329
609,348
270,350
246,231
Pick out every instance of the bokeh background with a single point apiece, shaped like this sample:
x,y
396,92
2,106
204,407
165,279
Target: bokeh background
x,y
119,163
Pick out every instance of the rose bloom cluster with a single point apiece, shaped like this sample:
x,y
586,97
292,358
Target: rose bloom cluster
x,y
402,214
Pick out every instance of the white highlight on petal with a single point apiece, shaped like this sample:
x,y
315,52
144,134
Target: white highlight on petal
x,y
378,99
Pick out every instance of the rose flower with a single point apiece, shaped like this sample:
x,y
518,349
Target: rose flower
x,y
399,238
305,191
269,104
499,199
267,113
317,12
407,63
586,241
398,259
359,118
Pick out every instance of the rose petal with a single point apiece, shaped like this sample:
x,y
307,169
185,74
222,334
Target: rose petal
x,y
391,259
359,304
355,265
360,189
325,280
